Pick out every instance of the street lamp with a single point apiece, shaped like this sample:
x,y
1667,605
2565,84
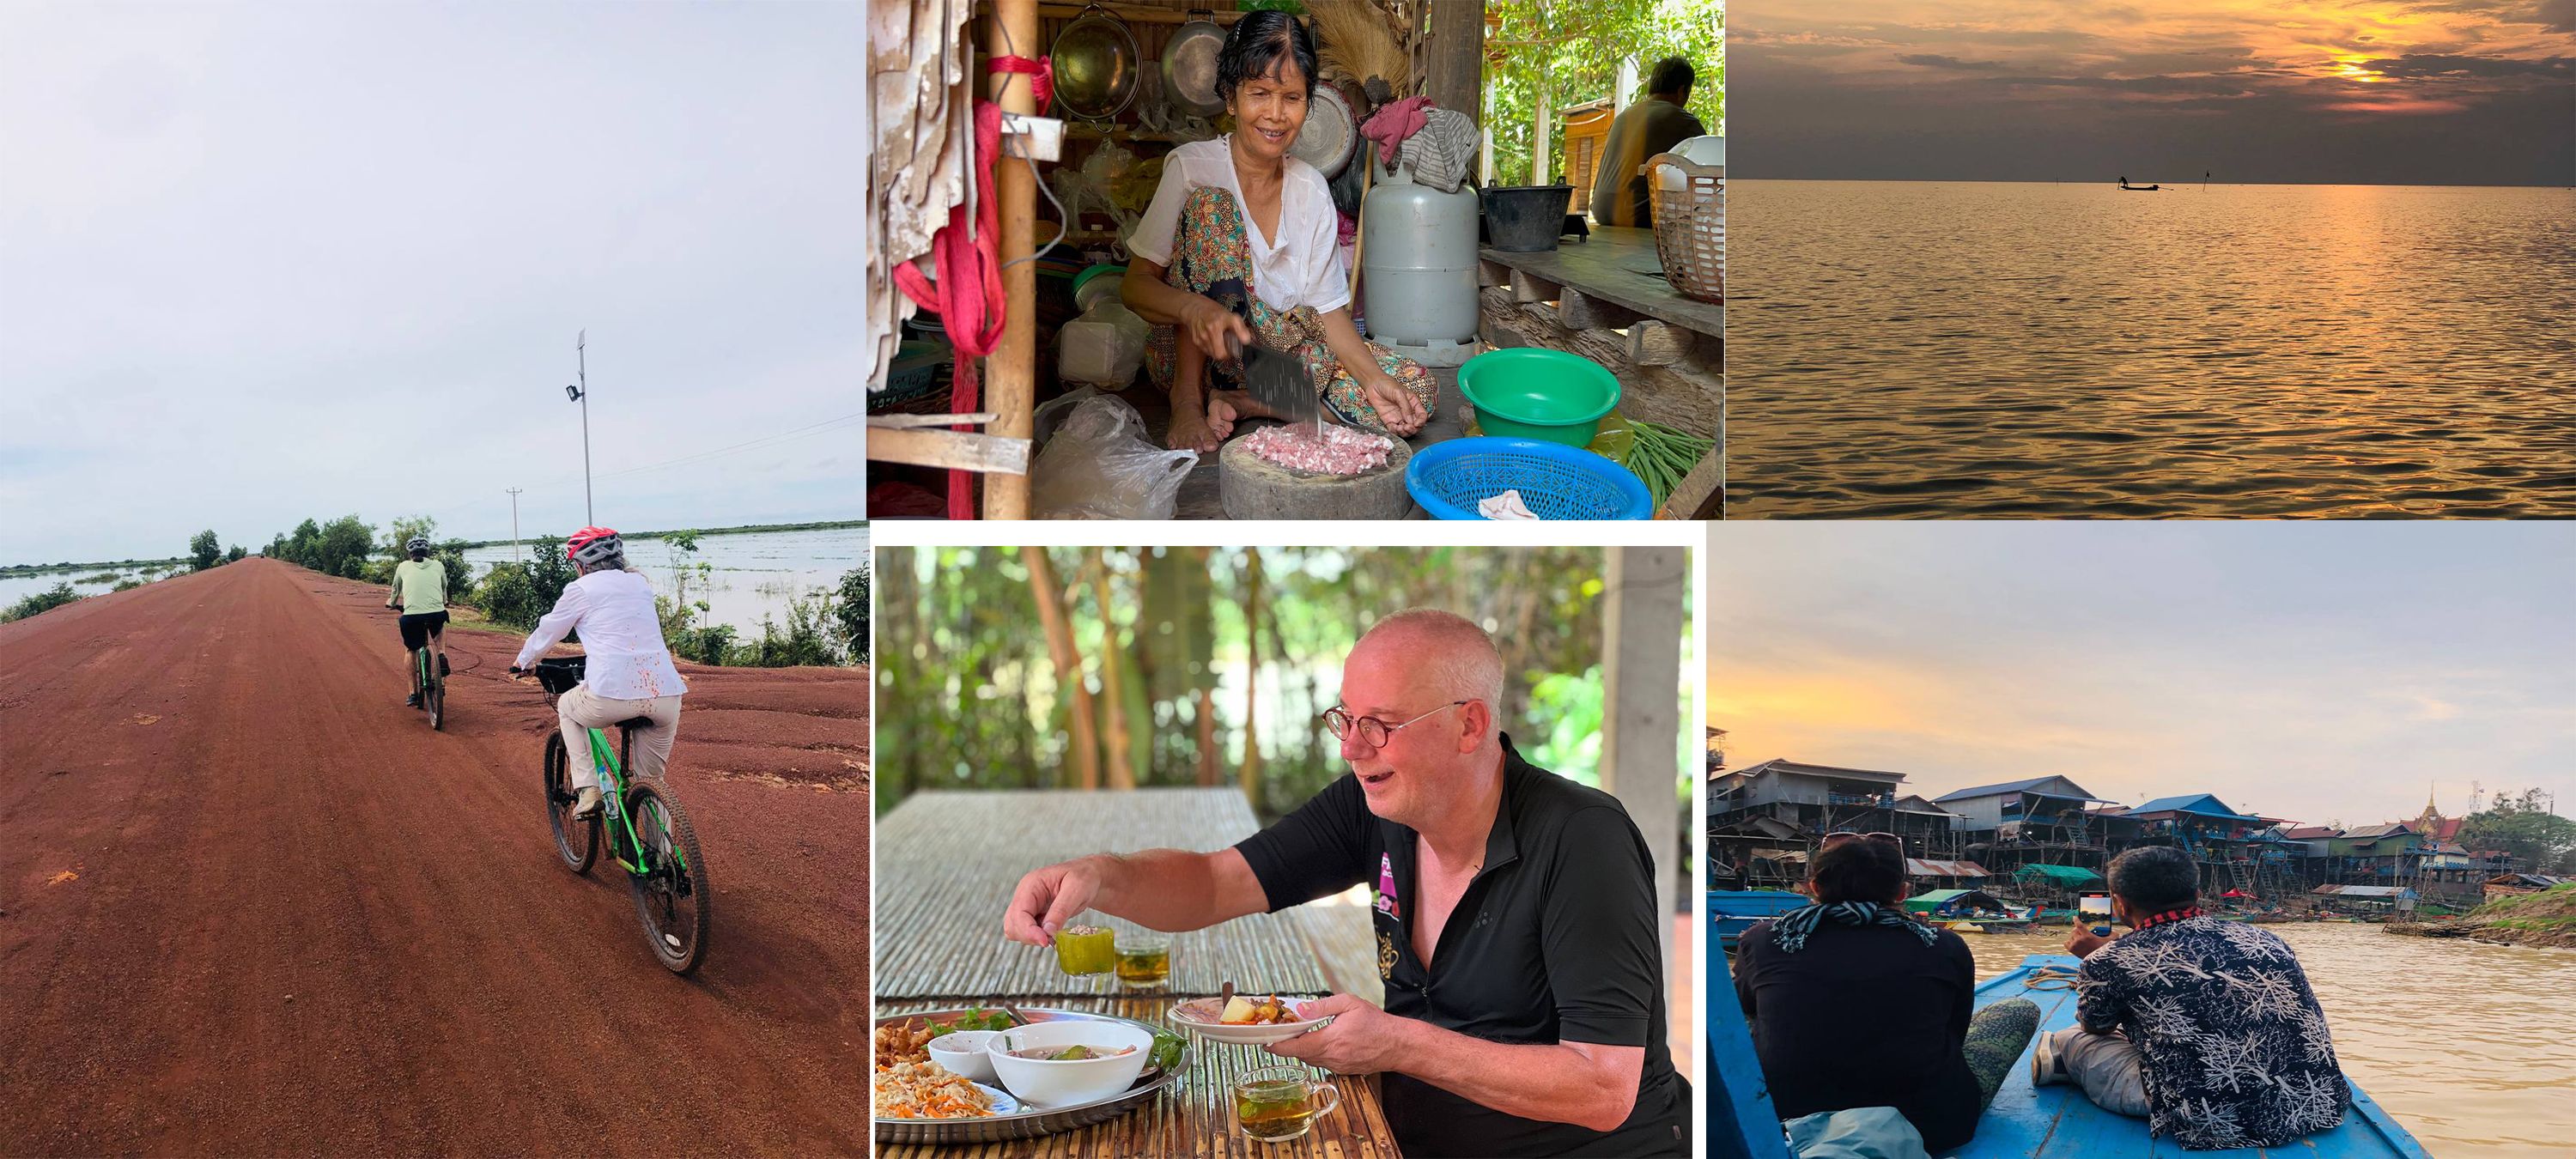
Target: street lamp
x,y
580,393
514,524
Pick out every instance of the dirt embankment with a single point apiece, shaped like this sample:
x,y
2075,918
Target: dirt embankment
x,y
2547,918
250,904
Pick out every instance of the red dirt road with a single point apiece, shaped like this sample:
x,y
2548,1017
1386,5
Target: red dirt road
x,y
250,904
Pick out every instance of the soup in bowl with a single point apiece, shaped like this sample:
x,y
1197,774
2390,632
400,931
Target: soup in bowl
x,y
1041,1064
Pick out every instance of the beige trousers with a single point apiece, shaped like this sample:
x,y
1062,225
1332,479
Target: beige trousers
x,y
580,711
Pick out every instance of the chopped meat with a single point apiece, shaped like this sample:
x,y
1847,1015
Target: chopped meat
x,y
1341,451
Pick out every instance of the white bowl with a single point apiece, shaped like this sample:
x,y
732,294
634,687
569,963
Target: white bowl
x,y
1199,1016
962,1052
1045,1083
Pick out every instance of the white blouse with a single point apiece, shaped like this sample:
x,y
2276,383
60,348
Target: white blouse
x,y
620,633
1302,266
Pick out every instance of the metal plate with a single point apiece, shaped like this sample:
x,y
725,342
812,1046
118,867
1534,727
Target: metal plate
x,y
1097,65
1028,1124
1189,68
1329,136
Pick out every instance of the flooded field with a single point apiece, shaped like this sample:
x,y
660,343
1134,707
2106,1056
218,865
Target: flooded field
x,y
2471,1046
754,574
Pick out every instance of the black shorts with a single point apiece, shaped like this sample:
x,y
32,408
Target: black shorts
x,y
418,629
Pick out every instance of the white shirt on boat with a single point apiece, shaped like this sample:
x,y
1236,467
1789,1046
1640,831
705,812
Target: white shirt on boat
x,y
621,634
1302,266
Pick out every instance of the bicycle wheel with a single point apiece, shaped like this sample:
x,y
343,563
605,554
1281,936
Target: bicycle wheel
x,y
577,839
671,894
435,696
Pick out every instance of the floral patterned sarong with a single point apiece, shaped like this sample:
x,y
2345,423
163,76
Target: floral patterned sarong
x,y
1212,257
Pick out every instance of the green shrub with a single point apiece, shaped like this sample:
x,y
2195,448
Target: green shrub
x,y
850,609
41,602
127,585
205,550
509,597
235,554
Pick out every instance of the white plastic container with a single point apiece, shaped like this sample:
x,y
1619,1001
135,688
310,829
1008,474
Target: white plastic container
x,y
1418,262
1104,347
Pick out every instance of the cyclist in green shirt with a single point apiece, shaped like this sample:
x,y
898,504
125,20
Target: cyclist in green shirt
x,y
420,589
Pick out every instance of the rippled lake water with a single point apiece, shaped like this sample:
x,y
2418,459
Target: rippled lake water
x,y
1940,349
2471,1046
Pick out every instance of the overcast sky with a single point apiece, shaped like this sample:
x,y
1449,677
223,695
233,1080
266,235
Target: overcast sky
x,y
2429,92
2313,671
263,262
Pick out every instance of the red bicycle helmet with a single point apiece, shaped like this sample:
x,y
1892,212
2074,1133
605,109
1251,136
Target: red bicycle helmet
x,y
591,545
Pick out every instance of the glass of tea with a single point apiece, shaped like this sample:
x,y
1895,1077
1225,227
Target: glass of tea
x,y
1277,1103
1144,958
1086,949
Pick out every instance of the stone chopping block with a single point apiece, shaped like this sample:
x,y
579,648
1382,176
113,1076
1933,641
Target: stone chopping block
x,y
1251,487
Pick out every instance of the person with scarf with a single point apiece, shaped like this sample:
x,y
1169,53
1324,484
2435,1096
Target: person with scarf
x,y
1855,1004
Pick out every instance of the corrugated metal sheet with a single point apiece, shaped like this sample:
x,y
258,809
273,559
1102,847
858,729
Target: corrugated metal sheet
x,y
1924,867
2365,891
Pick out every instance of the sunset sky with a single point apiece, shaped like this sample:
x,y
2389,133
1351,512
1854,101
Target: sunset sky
x,y
2436,92
2319,672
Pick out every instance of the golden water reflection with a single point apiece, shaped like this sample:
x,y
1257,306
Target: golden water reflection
x,y
2471,1046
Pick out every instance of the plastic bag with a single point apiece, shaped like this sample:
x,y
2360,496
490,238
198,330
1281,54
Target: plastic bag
x,y
1098,464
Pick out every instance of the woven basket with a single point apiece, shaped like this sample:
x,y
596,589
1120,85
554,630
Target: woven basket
x,y
1690,224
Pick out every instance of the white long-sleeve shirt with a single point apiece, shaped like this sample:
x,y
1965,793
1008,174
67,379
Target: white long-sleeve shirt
x,y
619,632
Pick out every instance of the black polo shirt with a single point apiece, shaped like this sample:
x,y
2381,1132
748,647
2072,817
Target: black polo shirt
x,y
1555,940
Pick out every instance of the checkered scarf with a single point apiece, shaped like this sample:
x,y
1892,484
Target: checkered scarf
x,y
1789,931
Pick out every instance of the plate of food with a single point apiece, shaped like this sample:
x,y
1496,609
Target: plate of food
x,y
919,1100
1245,1021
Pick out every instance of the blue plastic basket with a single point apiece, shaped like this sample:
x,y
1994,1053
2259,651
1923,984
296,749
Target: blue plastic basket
x,y
1556,481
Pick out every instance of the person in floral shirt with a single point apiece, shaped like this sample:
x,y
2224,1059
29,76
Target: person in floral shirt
x,y
2205,1027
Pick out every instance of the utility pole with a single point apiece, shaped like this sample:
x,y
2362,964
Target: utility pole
x,y
581,394
514,524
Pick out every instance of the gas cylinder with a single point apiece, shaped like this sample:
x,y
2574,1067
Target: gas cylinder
x,y
1418,267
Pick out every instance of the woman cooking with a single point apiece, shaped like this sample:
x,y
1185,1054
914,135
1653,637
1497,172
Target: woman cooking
x,y
1241,245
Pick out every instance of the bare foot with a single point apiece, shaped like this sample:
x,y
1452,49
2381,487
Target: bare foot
x,y
1221,415
1240,404
1193,431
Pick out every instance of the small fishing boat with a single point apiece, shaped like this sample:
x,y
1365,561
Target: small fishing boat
x,y
1733,911
2025,1122
2124,184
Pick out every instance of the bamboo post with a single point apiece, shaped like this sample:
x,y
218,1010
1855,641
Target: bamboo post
x,y
1119,745
1010,379
1049,597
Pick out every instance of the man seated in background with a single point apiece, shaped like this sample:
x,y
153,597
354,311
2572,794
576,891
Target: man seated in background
x,y
1653,125
2205,1027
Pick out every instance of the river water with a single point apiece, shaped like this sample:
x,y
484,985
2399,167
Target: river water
x,y
1909,348
2471,1046
755,573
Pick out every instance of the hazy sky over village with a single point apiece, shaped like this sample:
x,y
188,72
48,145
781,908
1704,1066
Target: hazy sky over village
x,y
263,262
2450,92
2313,671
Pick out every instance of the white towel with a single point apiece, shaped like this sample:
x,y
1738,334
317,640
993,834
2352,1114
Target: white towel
x,y
1507,505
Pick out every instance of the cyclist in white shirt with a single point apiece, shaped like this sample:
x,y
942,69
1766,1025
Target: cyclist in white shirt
x,y
628,671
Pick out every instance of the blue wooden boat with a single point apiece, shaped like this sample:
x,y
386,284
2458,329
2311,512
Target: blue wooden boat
x,y
2026,1122
1733,911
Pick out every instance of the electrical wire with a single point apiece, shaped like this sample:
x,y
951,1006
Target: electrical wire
x,y
1012,47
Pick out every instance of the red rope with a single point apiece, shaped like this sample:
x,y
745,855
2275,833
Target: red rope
x,y
1041,74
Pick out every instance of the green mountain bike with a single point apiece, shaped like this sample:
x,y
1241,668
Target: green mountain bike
x,y
648,834
430,685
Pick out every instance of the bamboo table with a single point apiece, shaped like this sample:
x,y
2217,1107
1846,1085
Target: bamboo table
x,y
946,863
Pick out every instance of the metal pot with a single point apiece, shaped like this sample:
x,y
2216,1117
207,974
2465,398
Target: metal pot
x,y
1189,65
1097,65
1330,134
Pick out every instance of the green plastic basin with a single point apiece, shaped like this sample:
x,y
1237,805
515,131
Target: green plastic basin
x,y
1531,393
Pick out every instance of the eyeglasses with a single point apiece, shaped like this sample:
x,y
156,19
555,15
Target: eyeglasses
x,y
1837,838
1372,732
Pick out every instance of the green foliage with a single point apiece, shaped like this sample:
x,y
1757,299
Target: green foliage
x,y
44,601
507,596
802,640
1578,61
234,554
2520,825
850,610
127,585
340,547
548,570
205,550
105,577
966,681
403,528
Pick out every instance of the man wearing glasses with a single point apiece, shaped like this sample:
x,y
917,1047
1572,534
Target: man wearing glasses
x,y
1515,915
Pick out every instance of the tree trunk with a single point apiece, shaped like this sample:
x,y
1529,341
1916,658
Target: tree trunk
x,y
1068,665
1207,738
1250,774
1121,749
